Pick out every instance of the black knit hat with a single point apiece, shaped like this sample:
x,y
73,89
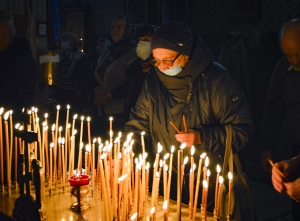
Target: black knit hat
x,y
175,36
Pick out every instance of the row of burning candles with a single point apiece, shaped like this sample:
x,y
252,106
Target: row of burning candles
x,y
121,176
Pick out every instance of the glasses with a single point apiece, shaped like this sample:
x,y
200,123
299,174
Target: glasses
x,y
165,62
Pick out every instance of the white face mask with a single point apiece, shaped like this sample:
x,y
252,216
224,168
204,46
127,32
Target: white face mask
x,y
143,49
64,45
174,70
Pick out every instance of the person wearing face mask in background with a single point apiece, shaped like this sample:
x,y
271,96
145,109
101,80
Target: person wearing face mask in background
x,y
110,74
135,72
74,74
188,82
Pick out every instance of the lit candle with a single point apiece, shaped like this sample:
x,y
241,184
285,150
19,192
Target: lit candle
x,y
219,195
79,163
1,149
229,193
147,177
165,207
81,130
216,189
86,156
204,175
205,188
152,211
93,166
186,159
143,141
63,162
133,217
179,187
10,139
6,115
66,128
170,172
198,184
159,149
55,143
165,176
106,200
73,124
50,173
192,181
110,129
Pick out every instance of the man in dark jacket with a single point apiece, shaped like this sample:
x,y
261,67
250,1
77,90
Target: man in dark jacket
x,y
283,100
18,70
187,81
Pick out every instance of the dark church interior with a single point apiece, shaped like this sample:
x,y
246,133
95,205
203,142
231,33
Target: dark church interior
x,y
241,34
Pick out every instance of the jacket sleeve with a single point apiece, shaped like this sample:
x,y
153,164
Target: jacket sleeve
x,y
229,106
139,117
273,109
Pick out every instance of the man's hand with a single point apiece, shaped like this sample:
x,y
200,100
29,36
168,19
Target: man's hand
x,y
265,156
192,137
293,189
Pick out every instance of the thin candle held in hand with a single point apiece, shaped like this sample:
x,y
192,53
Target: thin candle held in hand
x,y
216,188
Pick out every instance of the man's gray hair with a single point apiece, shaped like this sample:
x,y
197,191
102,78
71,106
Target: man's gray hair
x,y
7,20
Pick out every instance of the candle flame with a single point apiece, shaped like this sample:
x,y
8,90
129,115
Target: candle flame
x,y
205,184
53,127
206,162
63,141
120,179
165,205
87,148
145,155
81,145
17,125
186,159
152,210
1,110
35,110
74,132
117,139
208,173
59,140
229,175
6,115
46,115
221,180
68,107
60,129
74,117
111,133
133,216
218,168
94,140
159,147
69,126
182,146
82,118
37,120
11,112
44,124
143,133
194,166
57,107
110,119
203,155
88,119
166,168
166,156
157,174
120,134
103,156
147,166
172,149
160,163
99,140
192,151
51,145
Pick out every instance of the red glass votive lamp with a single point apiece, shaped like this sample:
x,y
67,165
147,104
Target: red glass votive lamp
x,y
80,180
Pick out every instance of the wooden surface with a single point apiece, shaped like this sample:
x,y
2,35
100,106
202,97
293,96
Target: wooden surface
x,y
57,206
